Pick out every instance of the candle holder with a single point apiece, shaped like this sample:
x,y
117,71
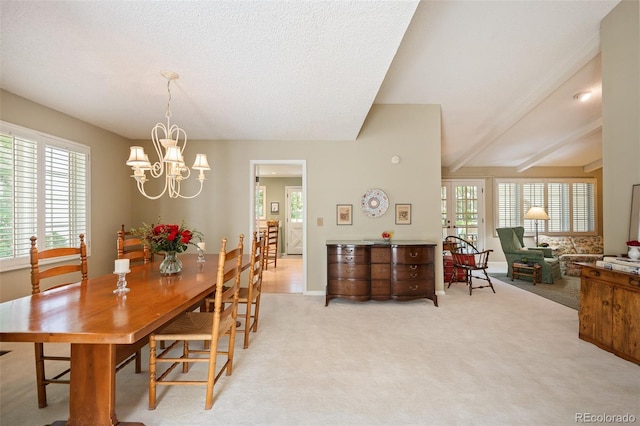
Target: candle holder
x,y
122,283
200,256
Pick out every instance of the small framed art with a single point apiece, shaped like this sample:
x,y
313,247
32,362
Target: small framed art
x,y
403,214
275,207
344,214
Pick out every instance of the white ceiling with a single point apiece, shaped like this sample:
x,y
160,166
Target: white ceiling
x,y
504,72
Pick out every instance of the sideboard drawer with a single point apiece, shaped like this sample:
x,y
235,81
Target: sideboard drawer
x,y
348,258
381,271
380,255
402,289
349,271
348,250
380,289
411,272
342,287
411,254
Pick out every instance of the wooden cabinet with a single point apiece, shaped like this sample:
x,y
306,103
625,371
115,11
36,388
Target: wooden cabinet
x,y
363,271
610,311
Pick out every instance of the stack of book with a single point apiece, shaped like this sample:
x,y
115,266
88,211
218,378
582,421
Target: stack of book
x,y
620,264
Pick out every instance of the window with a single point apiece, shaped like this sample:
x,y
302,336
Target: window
x,y
261,202
44,192
570,204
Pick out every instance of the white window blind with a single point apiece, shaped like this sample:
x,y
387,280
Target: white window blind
x,y
44,192
570,204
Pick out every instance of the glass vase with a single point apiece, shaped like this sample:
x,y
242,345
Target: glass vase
x,y
171,265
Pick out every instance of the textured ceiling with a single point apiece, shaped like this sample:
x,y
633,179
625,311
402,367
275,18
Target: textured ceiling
x,y
505,72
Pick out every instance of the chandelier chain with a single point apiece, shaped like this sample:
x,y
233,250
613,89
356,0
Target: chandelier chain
x,y
168,114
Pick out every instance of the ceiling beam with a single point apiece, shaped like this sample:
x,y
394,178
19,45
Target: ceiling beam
x,y
552,148
513,115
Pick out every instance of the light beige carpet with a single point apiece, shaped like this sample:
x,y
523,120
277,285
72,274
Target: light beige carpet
x,y
510,358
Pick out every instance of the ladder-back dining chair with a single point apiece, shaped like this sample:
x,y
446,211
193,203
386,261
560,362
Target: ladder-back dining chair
x,y
249,297
467,258
79,267
133,248
209,327
271,252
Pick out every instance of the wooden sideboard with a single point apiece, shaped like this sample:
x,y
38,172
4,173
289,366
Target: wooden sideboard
x,y
362,270
610,311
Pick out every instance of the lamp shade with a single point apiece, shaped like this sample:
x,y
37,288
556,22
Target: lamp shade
x,y
201,162
536,213
173,155
137,157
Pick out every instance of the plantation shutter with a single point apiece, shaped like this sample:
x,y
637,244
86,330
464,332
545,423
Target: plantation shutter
x,y
570,204
508,205
65,196
18,198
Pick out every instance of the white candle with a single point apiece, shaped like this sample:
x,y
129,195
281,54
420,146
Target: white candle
x,y
122,265
201,245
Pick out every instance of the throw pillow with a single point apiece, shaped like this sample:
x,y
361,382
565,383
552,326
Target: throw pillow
x,y
466,259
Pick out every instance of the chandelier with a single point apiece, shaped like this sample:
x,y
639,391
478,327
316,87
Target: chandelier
x,y
169,142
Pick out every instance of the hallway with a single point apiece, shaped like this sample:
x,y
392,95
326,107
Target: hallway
x,y
286,278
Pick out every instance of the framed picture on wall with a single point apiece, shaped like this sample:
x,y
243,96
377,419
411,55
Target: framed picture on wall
x,y
403,214
275,207
344,214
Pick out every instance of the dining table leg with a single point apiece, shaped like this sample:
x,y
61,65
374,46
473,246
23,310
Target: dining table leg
x,y
92,394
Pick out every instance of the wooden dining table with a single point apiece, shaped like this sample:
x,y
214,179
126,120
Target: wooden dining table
x,y
98,323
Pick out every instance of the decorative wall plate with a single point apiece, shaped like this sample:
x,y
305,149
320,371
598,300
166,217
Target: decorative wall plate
x,y
374,203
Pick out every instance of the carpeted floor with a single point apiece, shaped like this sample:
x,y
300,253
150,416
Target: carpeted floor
x,y
565,291
509,358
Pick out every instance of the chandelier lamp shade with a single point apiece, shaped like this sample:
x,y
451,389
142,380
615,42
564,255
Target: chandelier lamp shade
x,y
169,142
536,214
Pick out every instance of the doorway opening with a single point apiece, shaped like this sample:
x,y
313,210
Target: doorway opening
x,y
278,192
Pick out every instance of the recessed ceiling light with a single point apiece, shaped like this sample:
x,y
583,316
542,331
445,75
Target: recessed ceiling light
x,y
582,96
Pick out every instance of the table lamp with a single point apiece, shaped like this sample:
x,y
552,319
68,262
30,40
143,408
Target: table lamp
x,y
536,214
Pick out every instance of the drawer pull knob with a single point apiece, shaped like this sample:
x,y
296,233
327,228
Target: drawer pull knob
x,y
414,254
349,250
349,258
413,287
594,273
414,267
633,281
413,275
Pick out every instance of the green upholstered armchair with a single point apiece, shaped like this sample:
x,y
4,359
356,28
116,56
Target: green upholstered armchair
x,y
514,250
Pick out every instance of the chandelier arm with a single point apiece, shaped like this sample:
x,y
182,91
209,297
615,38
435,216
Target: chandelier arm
x,y
157,169
143,192
191,196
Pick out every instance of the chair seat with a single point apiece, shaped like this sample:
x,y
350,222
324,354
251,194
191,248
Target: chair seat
x,y
192,326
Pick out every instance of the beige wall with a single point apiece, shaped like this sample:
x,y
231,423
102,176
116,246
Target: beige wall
x,y
620,44
337,172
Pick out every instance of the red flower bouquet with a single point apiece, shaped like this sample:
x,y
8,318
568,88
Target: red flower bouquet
x,y
634,243
167,238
